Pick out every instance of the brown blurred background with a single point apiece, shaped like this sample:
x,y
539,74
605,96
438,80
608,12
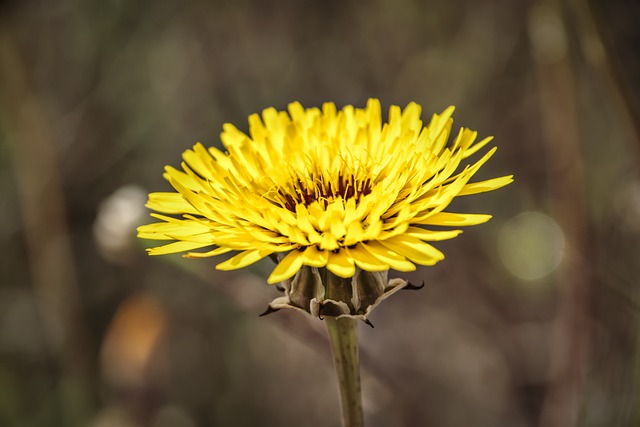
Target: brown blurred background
x,y
532,319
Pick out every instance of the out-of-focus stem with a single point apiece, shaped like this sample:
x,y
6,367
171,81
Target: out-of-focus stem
x,y
43,214
560,116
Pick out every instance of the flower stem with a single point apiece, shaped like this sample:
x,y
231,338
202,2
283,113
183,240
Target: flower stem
x,y
344,343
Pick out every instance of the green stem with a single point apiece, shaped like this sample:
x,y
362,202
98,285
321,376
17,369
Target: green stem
x,y
344,343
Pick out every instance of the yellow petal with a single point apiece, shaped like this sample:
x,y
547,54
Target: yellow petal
x,y
341,264
431,235
455,219
287,267
157,231
488,185
384,254
199,160
414,249
243,259
175,247
373,230
195,199
329,242
171,203
314,257
304,223
474,148
355,234
173,174
214,252
365,260
177,229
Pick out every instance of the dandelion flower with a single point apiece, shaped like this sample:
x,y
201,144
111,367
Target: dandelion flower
x,y
337,198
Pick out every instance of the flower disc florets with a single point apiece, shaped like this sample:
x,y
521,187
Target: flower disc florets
x,y
324,189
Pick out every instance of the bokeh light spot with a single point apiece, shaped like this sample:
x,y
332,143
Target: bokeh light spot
x,y
531,245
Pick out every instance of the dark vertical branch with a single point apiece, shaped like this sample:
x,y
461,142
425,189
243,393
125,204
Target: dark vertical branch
x,y
605,57
609,54
558,104
45,229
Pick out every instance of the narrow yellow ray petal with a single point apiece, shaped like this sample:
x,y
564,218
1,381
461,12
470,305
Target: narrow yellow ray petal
x,y
329,242
173,174
214,252
488,185
198,160
231,135
221,159
243,259
205,238
365,260
457,181
455,219
355,234
304,223
175,247
431,235
464,139
341,264
166,218
171,203
195,199
158,231
414,249
286,268
314,257
384,254
474,148
187,226
177,229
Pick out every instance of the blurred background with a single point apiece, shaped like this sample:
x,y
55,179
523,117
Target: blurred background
x,y
532,319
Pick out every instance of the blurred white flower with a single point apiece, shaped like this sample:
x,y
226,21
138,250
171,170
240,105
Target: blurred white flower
x,y
116,222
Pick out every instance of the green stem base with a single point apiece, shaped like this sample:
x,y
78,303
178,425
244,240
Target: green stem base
x,y
343,334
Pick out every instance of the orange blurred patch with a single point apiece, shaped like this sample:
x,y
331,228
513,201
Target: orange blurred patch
x,y
131,340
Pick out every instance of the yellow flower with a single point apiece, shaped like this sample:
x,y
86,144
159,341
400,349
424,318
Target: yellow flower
x,y
322,188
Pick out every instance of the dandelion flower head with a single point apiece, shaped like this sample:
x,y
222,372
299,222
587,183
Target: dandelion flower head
x,y
328,188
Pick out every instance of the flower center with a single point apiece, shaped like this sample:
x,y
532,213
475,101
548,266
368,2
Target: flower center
x,y
318,188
